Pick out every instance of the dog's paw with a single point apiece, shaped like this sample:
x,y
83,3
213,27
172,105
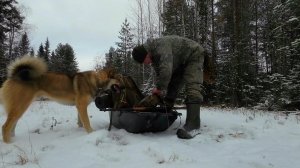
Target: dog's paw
x,y
12,134
89,130
80,125
7,140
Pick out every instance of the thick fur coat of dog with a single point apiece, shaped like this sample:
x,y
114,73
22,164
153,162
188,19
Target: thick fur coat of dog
x,y
28,78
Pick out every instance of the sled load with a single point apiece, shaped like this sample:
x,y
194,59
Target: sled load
x,y
122,102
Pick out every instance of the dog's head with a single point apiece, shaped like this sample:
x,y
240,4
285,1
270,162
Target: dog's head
x,y
106,78
123,94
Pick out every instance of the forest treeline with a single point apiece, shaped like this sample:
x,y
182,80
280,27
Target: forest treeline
x,y
254,45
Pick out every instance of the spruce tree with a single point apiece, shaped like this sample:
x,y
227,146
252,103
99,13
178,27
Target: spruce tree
x,y
125,46
47,50
110,58
41,52
70,60
53,62
64,60
32,53
174,17
24,47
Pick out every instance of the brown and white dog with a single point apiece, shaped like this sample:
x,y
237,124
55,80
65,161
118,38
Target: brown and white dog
x,y
28,78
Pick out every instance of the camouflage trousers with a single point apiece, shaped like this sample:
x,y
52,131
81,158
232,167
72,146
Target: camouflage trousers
x,y
189,75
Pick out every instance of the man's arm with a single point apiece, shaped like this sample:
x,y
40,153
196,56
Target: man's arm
x,y
164,74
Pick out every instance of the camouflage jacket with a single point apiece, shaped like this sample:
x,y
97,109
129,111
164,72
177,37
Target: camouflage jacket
x,y
169,54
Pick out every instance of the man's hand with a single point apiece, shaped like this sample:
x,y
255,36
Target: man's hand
x,y
150,101
156,91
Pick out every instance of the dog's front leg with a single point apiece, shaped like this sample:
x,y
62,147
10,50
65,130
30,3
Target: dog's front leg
x,y
8,129
79,123
12,132
81,105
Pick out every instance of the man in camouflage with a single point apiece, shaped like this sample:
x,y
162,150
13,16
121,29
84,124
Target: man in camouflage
x,y
176,61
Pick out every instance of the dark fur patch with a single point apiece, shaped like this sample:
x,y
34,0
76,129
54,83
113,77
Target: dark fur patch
x,y
23,72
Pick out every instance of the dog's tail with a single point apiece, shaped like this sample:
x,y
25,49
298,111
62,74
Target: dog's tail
x,y
26,68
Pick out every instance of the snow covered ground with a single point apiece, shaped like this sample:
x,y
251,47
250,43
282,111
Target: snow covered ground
x,y
230,139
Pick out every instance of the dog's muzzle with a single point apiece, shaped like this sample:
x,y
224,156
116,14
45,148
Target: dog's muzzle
x,y
104,100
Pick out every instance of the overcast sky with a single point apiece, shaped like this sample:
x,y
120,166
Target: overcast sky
x,y
89,26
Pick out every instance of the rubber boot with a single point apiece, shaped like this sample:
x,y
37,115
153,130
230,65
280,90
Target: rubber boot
x,y
192,123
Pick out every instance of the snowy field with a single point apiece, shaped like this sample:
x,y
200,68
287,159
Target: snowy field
x,y
230,139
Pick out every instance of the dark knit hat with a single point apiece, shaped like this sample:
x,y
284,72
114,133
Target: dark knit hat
x,y
139,53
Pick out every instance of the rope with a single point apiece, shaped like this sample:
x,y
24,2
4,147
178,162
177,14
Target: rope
x,y
179,122
166,110
110,120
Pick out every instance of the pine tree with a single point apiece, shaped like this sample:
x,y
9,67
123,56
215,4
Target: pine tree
x,y
41,51
175,17
32,53
24,45
47,50
109,58
64,60
125,46
70,60
53,62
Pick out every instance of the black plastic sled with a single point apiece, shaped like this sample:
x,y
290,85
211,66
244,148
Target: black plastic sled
x,y
140,122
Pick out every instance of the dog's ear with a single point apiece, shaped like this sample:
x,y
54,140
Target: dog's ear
x,y
116,88
111,72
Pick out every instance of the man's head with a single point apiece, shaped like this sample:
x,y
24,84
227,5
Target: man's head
x,y
139,53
